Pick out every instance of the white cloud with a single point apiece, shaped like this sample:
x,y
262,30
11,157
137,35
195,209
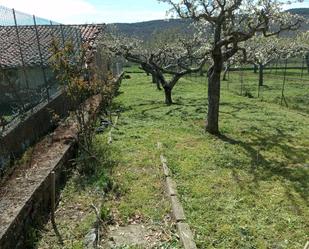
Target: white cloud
x,y
82,11
56,10
79,11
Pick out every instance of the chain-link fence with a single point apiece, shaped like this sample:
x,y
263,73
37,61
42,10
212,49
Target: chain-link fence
x,y
26,76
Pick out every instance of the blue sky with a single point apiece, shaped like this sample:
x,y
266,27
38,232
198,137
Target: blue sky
x,y
91,11
96,11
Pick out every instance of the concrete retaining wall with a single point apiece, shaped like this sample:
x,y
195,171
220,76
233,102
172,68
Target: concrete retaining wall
x,y
25,198
21,233
24,133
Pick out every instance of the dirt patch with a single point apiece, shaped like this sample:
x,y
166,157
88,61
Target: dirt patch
x,y
132,235
138,235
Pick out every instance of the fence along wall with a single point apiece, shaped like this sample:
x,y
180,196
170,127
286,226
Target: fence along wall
x,y
26,78
28,87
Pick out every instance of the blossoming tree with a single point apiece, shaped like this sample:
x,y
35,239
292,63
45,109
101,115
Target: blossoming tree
x,y
232,22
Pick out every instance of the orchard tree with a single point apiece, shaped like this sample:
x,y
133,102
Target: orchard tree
x,y
232,22
159,39
260,51
303,43
167,62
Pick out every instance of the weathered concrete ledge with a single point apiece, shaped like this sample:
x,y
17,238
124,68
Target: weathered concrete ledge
x,y
184,231
186,235
171,186
25,196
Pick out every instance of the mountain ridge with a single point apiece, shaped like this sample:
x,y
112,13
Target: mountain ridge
x,y
144,30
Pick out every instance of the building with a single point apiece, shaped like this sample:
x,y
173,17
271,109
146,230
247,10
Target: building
x,y
26,77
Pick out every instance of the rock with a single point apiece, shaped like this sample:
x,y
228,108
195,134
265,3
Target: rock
x,y
90,239
178,212
171,186
100,129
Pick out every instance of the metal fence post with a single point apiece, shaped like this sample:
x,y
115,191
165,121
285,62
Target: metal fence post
x,y
302,68
283,84
21,52
62,35
78,33
52,33
41,58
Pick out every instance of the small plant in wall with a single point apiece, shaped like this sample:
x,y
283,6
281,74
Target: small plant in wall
x,y
77,74
72,72
3,123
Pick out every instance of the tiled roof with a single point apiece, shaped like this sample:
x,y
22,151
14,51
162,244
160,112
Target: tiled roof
x,y
10,56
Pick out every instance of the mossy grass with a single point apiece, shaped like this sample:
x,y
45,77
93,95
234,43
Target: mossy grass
x,y
247,188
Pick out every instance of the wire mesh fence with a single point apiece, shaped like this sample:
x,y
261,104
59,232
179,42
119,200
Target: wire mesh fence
x,y
26,76
285,82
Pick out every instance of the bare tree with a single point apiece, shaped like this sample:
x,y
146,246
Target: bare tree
x,y
232,22
167,62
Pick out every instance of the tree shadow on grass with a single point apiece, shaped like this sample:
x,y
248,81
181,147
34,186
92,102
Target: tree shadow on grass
x,y
264,169
292,172
187,109
183,108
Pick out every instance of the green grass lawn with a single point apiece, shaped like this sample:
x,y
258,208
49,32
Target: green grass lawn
x,y
247,189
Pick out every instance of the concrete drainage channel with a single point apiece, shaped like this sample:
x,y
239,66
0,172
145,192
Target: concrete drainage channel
x,y
183,228
26,196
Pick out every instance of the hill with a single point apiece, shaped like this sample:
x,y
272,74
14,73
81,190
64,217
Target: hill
x,y
144,30
300,11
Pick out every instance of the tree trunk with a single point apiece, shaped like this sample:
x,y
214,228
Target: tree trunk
x,y
225,72
158,86
214,82
168,95
154,79
255,68
261,75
